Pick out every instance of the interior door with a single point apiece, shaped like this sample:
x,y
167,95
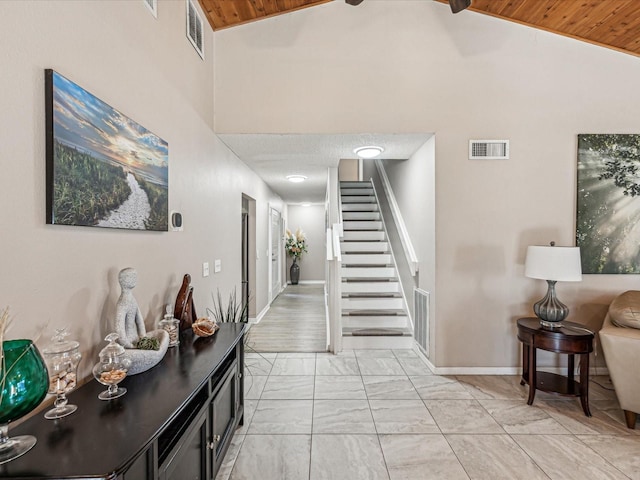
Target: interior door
x,y
276,253
245,254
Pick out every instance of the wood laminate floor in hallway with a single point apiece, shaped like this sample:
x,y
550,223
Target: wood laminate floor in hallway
x,y
296,322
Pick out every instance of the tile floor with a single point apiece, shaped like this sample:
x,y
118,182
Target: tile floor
x,y
381,414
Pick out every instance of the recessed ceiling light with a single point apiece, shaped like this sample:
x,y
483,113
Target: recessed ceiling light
x,y
369,151
296,178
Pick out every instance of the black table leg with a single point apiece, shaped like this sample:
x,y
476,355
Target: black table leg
x,y
584,383
525,364
532,374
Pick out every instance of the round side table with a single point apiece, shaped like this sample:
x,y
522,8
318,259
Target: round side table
x,y
570,339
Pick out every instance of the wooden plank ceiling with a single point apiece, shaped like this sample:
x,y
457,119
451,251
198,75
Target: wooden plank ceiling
x,y
610,23
229,13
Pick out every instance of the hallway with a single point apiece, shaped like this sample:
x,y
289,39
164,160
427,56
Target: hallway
x,y
296,322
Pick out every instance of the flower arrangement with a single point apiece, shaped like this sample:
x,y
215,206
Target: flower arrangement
x,y
296,244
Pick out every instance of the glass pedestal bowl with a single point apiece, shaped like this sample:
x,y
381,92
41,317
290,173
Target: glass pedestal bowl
x,y
112,368
23,385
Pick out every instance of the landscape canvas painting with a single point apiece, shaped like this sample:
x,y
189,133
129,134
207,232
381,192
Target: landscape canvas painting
x,y
103,169
608,217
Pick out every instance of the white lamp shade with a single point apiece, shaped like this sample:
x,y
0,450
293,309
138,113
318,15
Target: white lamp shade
x,y
553,263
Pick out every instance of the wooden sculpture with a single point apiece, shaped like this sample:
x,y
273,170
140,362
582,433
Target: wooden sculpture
x,y
185,310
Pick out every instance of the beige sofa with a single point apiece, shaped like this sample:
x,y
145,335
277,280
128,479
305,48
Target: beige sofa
x,y
620,340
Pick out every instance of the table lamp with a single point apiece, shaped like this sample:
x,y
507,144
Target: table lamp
x,y
552,264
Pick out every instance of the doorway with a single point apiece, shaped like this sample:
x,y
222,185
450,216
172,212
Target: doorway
x,y
275,240
248,255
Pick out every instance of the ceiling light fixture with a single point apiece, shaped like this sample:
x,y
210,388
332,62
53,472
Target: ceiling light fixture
x,y
296,178
370,151
305,204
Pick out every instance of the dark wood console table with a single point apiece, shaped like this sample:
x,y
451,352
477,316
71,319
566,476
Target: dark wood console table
x,y
571,339
176,420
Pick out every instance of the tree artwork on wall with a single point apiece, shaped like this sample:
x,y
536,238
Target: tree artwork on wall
x,y
608,206
103,169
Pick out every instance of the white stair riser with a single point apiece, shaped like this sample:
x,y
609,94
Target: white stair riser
x,y
364,225
356,191
364,247
359,207
372,272
363,235
358,199
372,304
355,184
361,215
369,343
366,259
370,287
361,321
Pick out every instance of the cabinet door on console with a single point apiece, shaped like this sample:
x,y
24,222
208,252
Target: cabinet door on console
x,y
224,413
188,461
142,467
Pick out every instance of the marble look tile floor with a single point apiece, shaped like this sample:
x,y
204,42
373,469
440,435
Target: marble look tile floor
x,y
382,414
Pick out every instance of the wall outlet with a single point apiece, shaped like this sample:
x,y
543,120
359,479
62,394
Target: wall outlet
x,y
205,269
217,266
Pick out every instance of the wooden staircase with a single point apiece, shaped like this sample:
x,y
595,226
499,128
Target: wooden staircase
x,y
374,311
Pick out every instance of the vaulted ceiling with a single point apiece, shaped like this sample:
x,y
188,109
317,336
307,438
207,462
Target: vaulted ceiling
x,y
610,23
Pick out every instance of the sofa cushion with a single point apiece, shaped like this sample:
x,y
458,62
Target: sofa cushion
x,y
624,311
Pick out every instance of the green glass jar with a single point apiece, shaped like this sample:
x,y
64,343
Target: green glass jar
x,y
24,382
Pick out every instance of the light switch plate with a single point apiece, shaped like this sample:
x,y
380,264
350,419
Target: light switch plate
x,y
205,269
217,266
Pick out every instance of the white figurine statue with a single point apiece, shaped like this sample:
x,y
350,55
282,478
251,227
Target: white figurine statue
x,y
129,322
130,327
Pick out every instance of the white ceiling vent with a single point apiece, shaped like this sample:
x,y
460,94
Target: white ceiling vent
x,y
152,5
195,28
488,149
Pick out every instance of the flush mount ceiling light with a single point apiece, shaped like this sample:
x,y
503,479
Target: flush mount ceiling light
x,y
369,151
296,178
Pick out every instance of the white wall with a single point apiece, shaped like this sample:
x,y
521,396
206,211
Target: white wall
x,y
409,66
57,276
311,220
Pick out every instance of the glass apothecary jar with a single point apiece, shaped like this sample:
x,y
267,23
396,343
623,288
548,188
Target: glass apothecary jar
x,y
62,357
112,368
171,325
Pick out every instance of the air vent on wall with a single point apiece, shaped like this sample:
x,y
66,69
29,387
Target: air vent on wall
x,y
152,5
195,29
488,149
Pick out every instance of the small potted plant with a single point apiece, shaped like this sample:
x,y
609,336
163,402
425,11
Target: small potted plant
x,y
295,245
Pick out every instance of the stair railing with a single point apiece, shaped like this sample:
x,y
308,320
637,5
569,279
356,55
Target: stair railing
x,y
334,262
405,239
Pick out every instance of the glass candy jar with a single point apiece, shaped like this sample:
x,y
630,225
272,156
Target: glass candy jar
x,y
62,358
171,325
112,368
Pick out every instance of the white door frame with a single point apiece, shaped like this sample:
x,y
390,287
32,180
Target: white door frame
x,y
275,254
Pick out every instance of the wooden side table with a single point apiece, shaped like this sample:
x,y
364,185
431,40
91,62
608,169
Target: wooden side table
x,y
571,339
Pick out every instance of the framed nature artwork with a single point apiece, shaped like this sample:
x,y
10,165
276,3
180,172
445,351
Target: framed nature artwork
x,y
608,206
103,169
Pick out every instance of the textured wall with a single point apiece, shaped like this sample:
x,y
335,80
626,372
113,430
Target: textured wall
x,y
55,276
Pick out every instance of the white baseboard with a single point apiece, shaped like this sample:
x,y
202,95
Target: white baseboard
x,y
309,282
500,370
258,317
